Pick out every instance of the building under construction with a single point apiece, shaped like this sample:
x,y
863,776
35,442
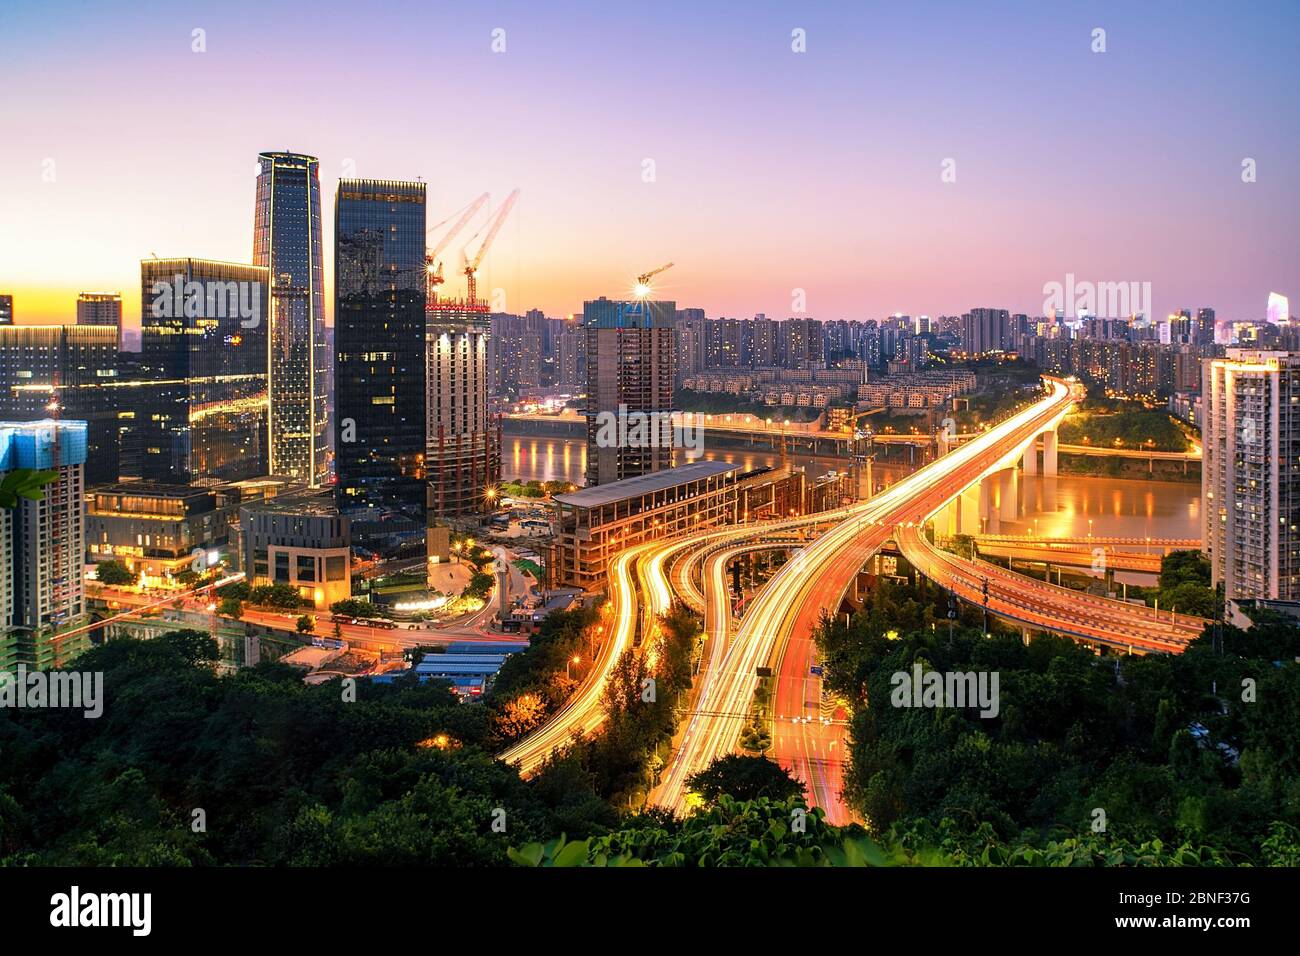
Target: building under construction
x,y
463,443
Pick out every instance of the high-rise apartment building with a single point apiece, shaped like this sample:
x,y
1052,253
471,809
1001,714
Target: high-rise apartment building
x,y
462,442
985,330
43,547
287,242
101,308
629,382
203,418
1250,475
379,363
1205,327
571,358
73,370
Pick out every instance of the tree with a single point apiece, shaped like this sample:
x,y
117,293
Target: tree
x,y
114,573
744,778
306,624
24,483
231,607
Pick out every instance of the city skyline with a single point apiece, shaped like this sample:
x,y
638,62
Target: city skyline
x,y
778,179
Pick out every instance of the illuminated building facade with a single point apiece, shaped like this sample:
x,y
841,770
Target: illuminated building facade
x,y
287,242
1250,474
203,334
629,372
101,308
463,444
379,365
74,367
42,547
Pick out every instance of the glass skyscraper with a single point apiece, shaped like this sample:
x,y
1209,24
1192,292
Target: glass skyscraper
x,y
379,344
203,333
287,241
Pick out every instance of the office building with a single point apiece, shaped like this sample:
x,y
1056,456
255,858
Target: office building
x,y
72,370
203,417
42,547
101,308
462,442
379,363
1250,479
301,541
157,531
594,524
629,382
287,242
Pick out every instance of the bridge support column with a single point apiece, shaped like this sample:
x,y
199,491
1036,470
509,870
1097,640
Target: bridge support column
x,y
1030,461
1007,495
954,516
988,516
1049,454
968,512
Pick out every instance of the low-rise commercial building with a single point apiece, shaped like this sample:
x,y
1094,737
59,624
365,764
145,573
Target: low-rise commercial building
x,y
156,530
301,541
594,524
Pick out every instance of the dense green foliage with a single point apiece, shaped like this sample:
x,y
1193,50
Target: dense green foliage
x,y
355,607
1196,750
1132,423
283,773
744,777
114,573
480,586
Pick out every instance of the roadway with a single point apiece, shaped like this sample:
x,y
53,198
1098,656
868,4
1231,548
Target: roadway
x,y
1097,620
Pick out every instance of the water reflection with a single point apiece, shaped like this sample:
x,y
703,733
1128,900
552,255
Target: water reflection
x,y
1051,507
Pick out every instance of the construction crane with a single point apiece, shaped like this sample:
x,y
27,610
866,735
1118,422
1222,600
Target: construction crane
x,y
431,261
642,287
471,265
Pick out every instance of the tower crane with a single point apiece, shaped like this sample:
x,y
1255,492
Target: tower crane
x,y
431,261
642,287
471,265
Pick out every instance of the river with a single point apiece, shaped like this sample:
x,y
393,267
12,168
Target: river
x,y
1105,507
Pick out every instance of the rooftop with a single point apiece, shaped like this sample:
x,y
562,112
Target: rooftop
x,y
645,484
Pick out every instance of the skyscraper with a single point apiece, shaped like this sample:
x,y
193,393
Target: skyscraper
x,y
75,368
101,308
379,364
42,547
463,446
1279,309
629,374
203,329
1205,326
6,310
287,242
1249,483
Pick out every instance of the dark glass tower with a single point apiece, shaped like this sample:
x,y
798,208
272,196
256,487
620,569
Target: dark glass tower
x,y
203,417
379,369
287,241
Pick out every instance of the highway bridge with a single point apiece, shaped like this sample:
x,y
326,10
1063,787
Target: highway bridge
x,y
776,631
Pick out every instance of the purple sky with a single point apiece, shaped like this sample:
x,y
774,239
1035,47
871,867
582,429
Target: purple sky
x,y
774,170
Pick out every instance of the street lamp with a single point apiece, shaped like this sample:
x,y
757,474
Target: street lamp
x,y
575,659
